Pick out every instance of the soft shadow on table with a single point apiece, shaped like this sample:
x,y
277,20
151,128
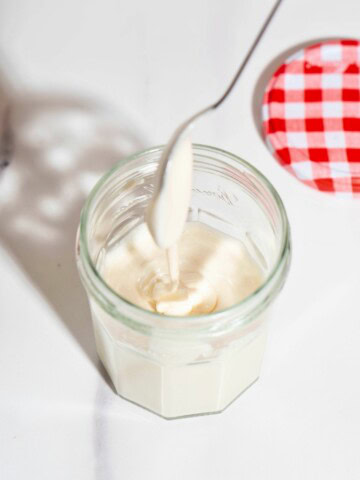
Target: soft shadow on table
x,y
267,72
61,146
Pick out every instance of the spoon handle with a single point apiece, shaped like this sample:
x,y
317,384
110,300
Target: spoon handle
x,y
248,55
241,68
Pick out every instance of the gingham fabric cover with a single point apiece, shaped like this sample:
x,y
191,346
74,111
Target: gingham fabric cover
x,y
311,116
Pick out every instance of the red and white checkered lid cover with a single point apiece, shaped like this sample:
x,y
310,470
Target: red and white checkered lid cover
x,y
311,116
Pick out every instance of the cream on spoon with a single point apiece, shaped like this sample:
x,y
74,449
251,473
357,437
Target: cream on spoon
x,y
168,209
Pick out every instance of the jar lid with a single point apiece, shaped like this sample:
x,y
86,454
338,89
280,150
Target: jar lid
x,y
311,116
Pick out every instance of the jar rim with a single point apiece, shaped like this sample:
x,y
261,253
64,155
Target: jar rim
x,y
87,266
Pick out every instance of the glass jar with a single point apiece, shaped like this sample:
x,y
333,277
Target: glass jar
x,y
179,366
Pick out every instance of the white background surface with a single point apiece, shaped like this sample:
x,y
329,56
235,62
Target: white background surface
x,y
94,81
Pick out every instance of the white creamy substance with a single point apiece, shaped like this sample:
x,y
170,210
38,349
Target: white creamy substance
x,y
177,378
215,271
168,208
184,376
180,270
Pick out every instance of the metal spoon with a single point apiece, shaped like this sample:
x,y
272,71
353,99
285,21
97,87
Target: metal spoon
x,y
170,156
181,129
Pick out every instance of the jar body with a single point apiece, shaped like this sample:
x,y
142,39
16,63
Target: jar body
x,y
179,378
170,366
